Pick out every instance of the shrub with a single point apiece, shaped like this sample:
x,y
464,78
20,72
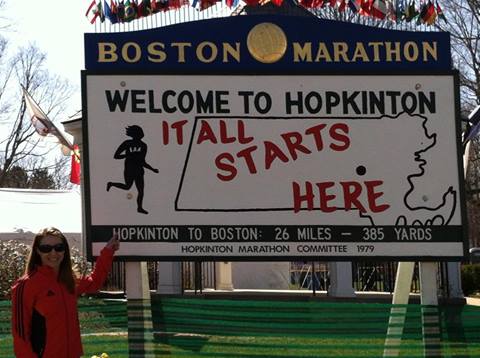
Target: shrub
x,y
14,255
80,264
470,279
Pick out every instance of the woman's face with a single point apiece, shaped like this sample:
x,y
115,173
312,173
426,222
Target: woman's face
x,y
51,250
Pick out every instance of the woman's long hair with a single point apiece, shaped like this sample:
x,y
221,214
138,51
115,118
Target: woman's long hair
x,y
65,272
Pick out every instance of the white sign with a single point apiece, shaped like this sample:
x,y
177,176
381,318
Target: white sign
x,y
274,166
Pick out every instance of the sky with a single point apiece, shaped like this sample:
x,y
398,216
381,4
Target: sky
x,y
57,31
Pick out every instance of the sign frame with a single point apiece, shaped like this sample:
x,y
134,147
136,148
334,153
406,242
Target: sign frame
x,y
91,238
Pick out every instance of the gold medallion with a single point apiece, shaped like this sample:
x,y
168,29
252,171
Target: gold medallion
x,y
266,42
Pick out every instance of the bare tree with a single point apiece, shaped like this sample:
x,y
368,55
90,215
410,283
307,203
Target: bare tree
x,y
464,26
61,173
24,147
472,189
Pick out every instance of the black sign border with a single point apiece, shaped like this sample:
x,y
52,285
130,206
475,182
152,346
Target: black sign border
x,y
86,174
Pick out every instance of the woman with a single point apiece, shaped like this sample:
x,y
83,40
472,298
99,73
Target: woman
x,y
44,300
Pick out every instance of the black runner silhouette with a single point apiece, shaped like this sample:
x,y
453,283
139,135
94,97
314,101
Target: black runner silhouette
x,y
134,152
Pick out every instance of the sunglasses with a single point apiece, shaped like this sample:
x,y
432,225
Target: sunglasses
x,y
47,248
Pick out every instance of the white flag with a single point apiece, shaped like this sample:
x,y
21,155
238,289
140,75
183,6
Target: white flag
x,y
40,121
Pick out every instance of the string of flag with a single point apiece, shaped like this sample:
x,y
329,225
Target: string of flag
x,y
123,11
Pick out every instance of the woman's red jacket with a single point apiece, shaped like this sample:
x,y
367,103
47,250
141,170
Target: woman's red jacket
x,y
39,298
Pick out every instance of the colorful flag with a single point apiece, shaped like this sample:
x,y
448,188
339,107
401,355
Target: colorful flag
x,y
411,12
422,12
121,11
134,5
153,5
391,11
101,14
265,2
109,11
204,4
379,9
92,12
75,166
148,6
113,6
40,121
162,5
440,13
400,10
306,3
430,14
366,7
130,13
177,4
354,6
144,8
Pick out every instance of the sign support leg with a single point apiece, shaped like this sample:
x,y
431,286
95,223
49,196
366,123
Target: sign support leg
x,y
139,311
340,279
430,316
397,314
455,280
224,276
169,278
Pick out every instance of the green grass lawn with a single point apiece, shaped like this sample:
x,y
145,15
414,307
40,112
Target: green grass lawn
x,y
196,327
227,346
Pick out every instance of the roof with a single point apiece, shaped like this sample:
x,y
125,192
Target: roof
x,y
30,210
